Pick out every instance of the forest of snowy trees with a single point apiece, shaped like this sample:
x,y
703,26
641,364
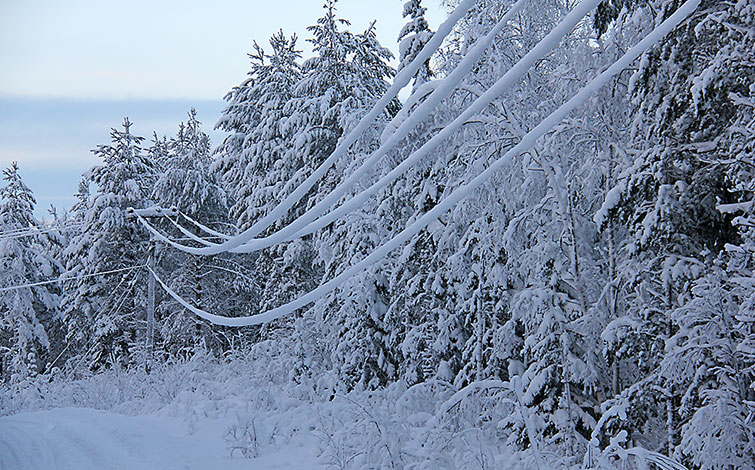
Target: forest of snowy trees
x,y
591,305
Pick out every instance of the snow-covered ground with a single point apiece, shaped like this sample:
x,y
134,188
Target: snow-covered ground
x,y
206,413
82,438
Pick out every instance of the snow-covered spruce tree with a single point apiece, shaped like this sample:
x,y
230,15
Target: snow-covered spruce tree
x,y
27,314
353,329
440,293
710,359
187,182
552,264
412,38
711,366
480,276
251,158
254,164
245,111
422,328
339,86
353,318
687,96
101,311
712,356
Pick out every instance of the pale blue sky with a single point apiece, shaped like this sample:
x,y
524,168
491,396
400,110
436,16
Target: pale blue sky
x,y
73,69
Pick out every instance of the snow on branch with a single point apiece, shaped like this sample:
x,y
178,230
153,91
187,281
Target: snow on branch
x,y
735,207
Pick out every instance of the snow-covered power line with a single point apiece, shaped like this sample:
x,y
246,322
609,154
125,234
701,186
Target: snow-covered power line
x,y
53,281
101,312
95,317
189,235
43,227
170,214
460,193
309,223
205,228
441,91
30,232
17,231
400,81
515,73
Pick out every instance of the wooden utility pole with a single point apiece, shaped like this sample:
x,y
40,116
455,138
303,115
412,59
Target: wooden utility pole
x,y
150,306
151,212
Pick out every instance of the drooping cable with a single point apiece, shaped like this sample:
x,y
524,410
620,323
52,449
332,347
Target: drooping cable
x,y
100,312
545,46
50,365
205,228
31,231
299,226
189,234
401,80
442,91
23,230
463,191
53,281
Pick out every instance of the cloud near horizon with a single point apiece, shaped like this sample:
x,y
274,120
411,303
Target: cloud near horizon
x,y
52,140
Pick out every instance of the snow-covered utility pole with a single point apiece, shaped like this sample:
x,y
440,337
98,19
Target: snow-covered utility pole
x,y
150,338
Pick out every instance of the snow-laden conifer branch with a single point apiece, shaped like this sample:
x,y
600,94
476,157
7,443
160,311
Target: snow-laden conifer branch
x,y
463,191
471,389
401,80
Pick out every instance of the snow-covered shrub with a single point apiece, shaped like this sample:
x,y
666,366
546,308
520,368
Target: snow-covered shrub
x,y
242,436
362,430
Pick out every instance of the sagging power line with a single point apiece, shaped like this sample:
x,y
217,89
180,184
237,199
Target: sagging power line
x,y
526,143
64,279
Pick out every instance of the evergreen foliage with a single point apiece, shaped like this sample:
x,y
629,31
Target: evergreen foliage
x,y
98,310
412,38
27,314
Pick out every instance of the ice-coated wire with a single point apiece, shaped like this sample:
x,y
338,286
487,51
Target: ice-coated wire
x,y
299,226
547,44
53,281
205,228
188,233
443,90
438,94
28,232
460,193
400,81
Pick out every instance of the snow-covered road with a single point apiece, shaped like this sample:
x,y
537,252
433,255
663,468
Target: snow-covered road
x,y
82,439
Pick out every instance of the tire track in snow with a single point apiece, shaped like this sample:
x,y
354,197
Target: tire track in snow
x,y
82,439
